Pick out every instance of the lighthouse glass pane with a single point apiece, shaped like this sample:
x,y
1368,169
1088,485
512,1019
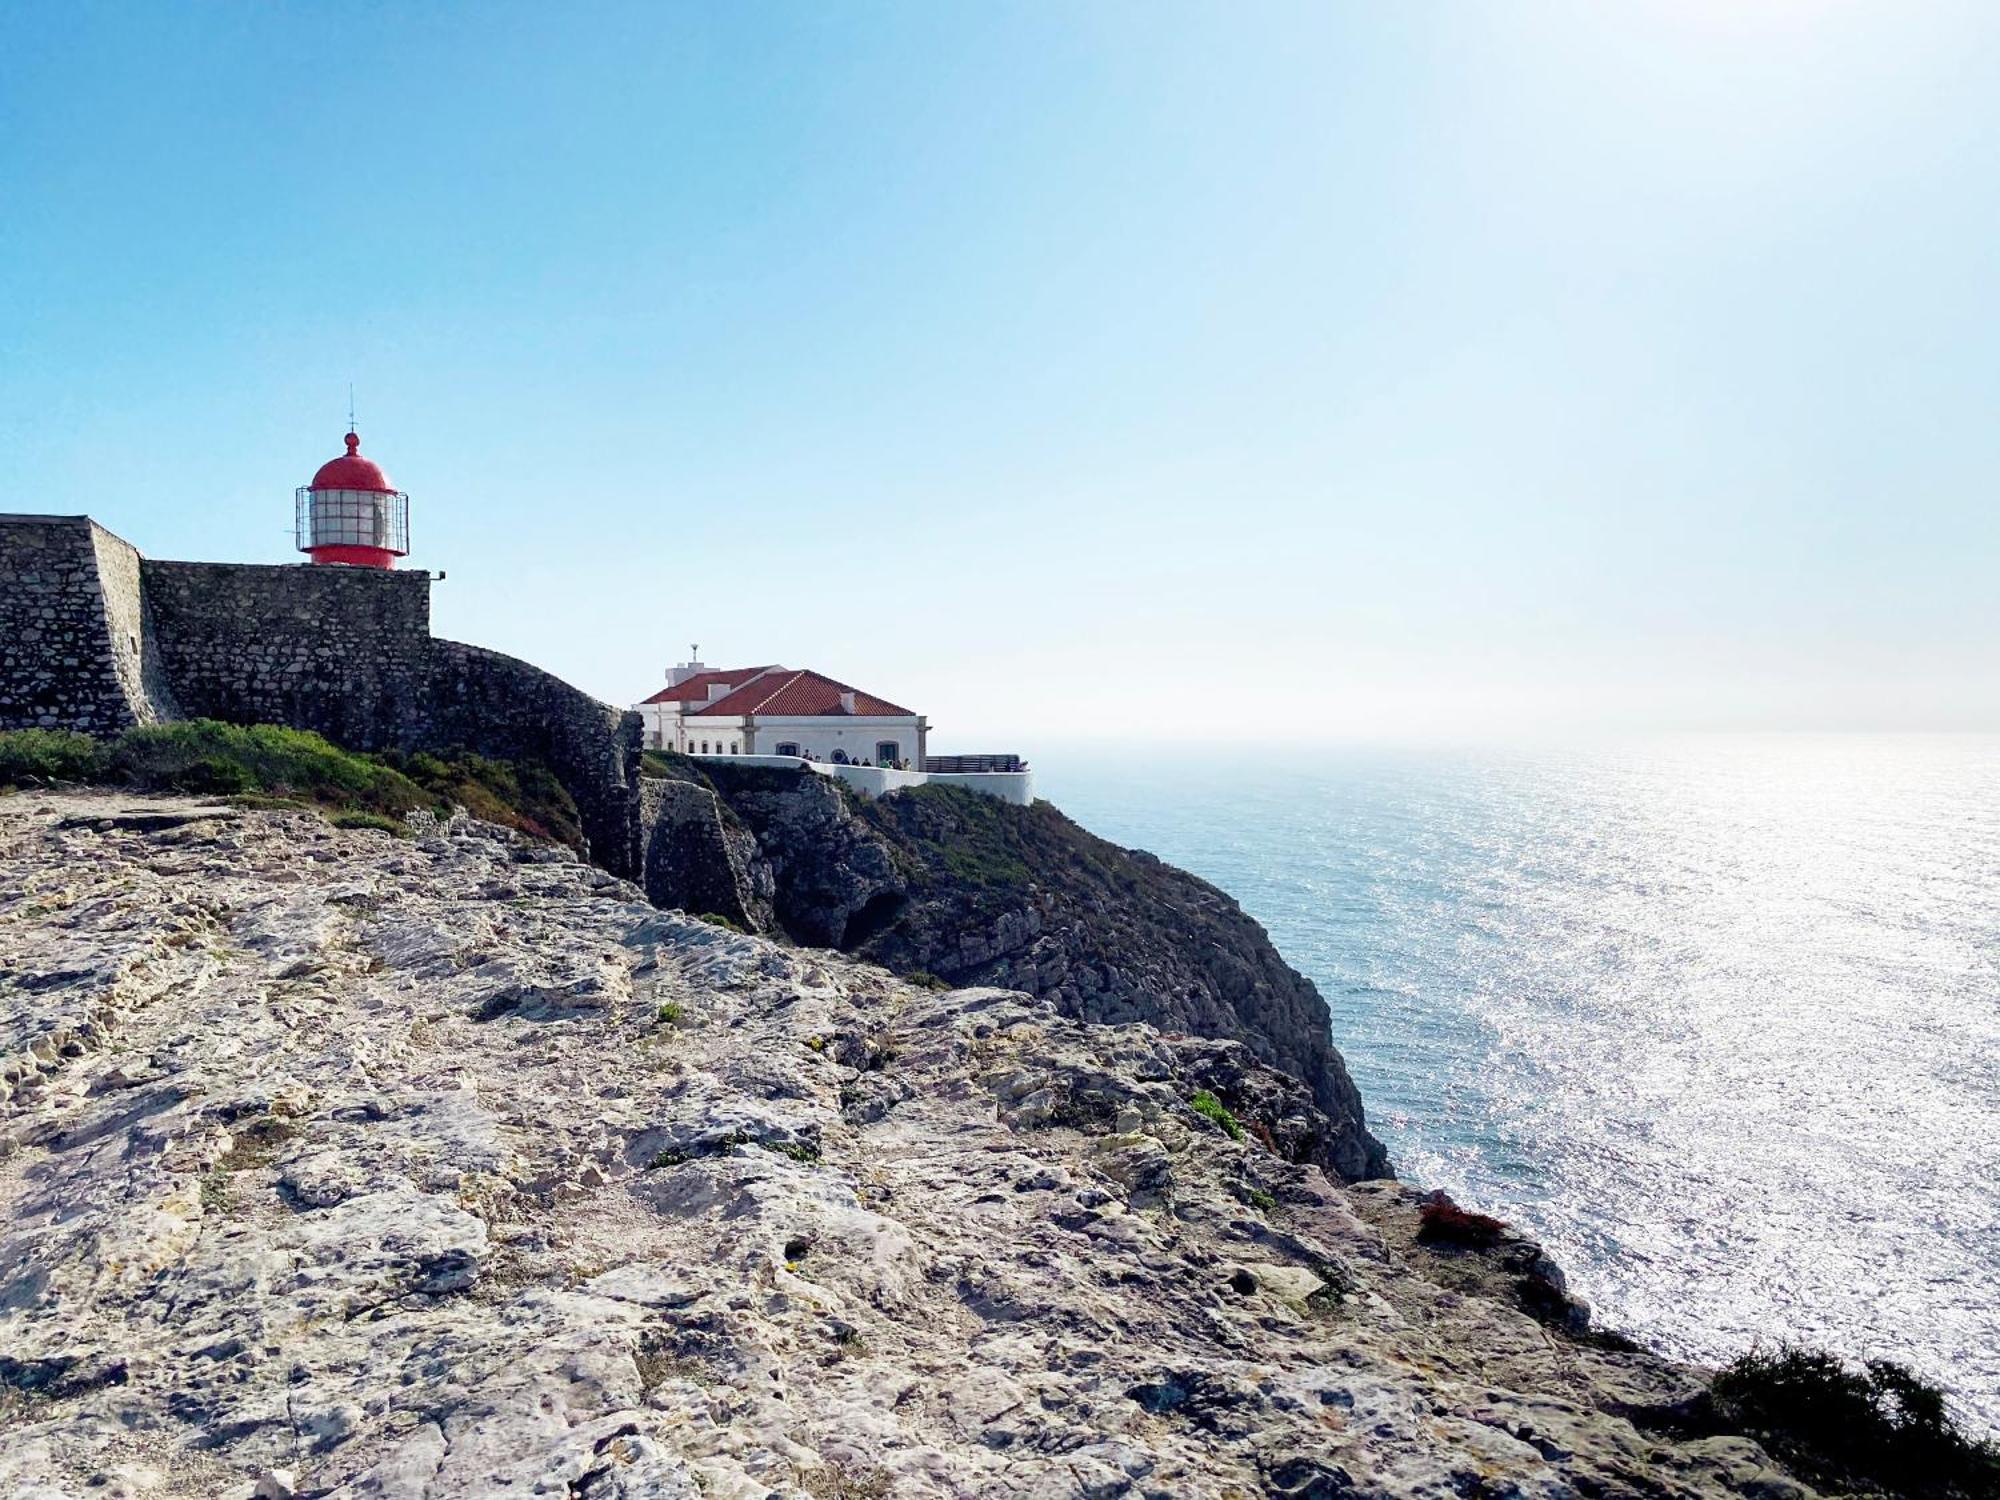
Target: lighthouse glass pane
x,y
355,518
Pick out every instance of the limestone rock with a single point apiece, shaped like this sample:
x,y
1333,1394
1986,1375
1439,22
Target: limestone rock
x,y
941,882
289,1207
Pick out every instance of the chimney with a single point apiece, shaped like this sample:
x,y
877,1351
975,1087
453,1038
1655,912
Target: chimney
x,y
847,703
718,690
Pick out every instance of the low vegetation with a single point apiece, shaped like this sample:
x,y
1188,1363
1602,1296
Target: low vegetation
x,y
267,766
42,757
1876,1430
1442,1222
1209,1107
511,793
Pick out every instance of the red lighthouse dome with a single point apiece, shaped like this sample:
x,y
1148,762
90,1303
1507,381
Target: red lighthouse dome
x,y
352,514
351,471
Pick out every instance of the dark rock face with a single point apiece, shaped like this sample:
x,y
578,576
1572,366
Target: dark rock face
x,y
944,882
833,876
701,859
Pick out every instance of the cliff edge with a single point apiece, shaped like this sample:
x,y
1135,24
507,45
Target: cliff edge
x,y
342,1165
937,881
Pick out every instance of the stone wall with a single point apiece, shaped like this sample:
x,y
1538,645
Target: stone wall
x,y
500,706
59,668
343,651
94,637
128,621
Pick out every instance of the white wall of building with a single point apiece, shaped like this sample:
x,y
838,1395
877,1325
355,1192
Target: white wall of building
x,y
713,736
665,728
856,736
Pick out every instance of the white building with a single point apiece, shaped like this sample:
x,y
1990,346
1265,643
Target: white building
x,y
784,716
780,711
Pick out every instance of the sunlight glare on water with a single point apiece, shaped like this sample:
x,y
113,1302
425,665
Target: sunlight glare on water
x,y
1715,1017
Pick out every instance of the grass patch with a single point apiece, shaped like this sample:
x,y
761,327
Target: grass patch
x,y
1879,1429
208,758
256,1144
215,1190
1212,1109
717,919
669,1013
267,766
723,1145
525,797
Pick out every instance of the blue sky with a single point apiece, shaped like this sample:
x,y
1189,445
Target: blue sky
x,y
1234,374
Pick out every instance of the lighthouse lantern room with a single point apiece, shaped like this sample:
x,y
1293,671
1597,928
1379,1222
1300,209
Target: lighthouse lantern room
x,y
351,514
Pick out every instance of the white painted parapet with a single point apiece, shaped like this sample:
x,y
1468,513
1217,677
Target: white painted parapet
x,y
1017,787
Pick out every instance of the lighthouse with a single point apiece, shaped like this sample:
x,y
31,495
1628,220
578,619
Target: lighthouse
x,y
351,514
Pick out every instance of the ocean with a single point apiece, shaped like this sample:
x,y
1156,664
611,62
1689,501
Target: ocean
x,y
1717,1017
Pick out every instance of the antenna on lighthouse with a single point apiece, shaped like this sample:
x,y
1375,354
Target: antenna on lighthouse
x,y
350,406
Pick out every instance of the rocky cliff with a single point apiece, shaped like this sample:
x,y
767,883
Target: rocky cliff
x,y
941,882
343,1166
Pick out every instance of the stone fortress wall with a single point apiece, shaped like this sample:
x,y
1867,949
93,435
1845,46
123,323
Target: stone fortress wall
x,y
94,637
75,647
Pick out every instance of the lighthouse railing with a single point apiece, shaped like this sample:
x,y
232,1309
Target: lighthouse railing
x,y
352,518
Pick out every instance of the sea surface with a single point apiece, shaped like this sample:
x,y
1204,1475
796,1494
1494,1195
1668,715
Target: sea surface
x,y
1717,1018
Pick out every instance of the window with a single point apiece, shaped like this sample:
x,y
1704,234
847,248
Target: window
x,y
885,752
735,748
704,747
787,747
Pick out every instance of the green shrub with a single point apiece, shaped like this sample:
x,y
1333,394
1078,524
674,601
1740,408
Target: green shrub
x,y
36,757
521,796
669,1013
1879,1428
211,758
1209,1107
268,766
717,919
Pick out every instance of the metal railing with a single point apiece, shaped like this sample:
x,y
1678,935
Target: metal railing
x,y
962,765
352,518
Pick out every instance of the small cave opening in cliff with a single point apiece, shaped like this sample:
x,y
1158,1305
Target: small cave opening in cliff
x,y
872,917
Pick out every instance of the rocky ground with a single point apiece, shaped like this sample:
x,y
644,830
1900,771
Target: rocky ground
x,y
943,882
338,1165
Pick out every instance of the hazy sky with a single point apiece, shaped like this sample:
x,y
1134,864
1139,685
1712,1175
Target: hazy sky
x,y
1236,373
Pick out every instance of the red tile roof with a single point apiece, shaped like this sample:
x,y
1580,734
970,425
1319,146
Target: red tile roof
x,y
805,694
695,689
